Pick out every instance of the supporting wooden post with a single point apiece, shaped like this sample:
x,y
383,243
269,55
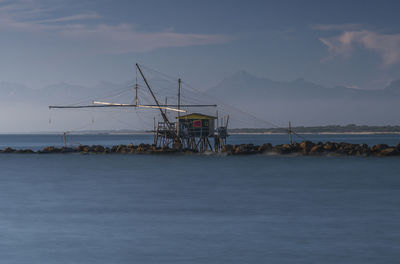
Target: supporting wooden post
x,y
65,139
209,144
290,133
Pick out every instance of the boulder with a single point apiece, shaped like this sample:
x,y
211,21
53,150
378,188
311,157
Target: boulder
x,y
379,147
391,151
347,149
120,149
330,146
113,149
306,146
241,149
245,149
50,149
265,147
363,150
98,149
8,150
142,148
398,147
229,149
317,150
67,150
283,149
296,147
86,149
81,148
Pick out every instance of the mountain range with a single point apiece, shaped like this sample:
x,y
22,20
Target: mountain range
x,y
307,103
276,102
243,85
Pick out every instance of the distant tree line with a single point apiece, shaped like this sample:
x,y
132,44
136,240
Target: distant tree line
x,y
350,128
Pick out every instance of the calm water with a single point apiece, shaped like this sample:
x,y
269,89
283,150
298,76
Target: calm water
x,y
197,209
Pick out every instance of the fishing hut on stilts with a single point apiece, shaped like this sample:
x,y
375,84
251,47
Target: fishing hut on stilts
x,y
188,130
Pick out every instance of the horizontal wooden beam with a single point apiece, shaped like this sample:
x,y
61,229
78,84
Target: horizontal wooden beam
x,y
123,105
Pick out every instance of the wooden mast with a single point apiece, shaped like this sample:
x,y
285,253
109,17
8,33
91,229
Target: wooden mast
x,y
136,90
179,96
163,115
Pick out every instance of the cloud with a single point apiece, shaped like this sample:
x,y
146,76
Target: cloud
x,y
124,38
30,16
337,27
84,16
386,45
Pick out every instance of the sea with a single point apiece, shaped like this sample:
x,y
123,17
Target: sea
x,y
99,208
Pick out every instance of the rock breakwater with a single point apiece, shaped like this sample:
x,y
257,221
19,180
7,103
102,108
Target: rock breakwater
x,y
304,148
315,149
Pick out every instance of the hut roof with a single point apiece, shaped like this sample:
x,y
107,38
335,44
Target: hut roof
x,y
196,116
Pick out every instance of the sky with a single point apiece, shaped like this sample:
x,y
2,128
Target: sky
x,y
352,43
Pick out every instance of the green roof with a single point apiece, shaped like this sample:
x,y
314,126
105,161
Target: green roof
x,y
196,116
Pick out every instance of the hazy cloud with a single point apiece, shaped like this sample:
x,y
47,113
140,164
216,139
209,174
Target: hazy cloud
x,y
91,15
386,45
336,27
29,16
124,38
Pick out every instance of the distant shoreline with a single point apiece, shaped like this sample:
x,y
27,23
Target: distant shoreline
x,y
350,129
231,133
318,133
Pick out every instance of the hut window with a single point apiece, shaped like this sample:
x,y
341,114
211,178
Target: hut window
x,y
197,123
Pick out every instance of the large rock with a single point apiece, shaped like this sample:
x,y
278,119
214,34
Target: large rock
x,y
363,150
265,147
242,149
98,149
330,146
67,150
379,147
83,148
142,148
283,149
346,149
317,150
121,149
86,149
50,149
388,152
296,147
229,149
398,147
8,150
306,146
246,149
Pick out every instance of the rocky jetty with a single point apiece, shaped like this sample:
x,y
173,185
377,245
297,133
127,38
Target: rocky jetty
x,y
305,148
97,149
315,149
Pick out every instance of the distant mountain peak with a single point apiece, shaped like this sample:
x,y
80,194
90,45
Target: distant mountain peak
x,y
242,74
394,85
300,80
